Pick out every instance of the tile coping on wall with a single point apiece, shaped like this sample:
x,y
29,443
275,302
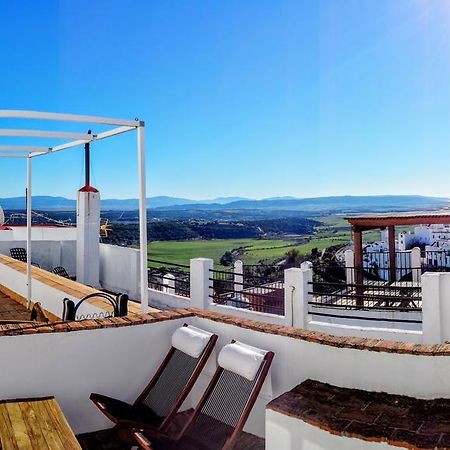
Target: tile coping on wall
x,y
398,420
375,345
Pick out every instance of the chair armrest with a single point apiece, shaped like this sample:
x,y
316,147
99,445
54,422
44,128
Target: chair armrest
x,y
148,433
142,441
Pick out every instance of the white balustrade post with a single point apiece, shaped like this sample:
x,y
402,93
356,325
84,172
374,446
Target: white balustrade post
x,y
169,282
201,285
238,275
431,308
296,287
349,256
416,264
436,307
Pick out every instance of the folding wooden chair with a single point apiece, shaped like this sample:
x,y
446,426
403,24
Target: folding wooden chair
x,y
218,418
165,393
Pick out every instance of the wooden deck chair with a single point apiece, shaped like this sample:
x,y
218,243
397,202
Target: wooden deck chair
x,y
169,387
223,410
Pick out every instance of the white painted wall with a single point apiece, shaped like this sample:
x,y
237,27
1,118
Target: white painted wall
x,y
274,319
383,330
299,313
50,298
119,269
167,300
120,361
114,361
436,307
48,254
289,433
297,360
39,233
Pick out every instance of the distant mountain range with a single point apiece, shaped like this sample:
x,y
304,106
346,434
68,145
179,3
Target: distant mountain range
x,y
62,203
313,205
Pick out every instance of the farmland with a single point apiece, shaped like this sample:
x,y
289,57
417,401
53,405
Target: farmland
x,y
333,232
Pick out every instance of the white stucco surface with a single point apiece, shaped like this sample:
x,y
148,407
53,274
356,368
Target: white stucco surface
x,y
288,433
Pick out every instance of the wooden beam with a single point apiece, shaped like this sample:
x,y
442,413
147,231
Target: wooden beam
x,y
374,223
391,249
358,264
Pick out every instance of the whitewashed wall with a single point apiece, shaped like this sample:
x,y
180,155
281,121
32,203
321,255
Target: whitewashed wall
x,y
39,233
48,254
120,361
298,312
297,360
119,269
50,297
114,361
289,433
167,300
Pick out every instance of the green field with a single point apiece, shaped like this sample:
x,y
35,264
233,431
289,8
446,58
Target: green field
x,y
334,231
180,252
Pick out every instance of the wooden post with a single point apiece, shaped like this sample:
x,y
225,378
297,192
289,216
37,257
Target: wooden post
x,y
358,264
391,247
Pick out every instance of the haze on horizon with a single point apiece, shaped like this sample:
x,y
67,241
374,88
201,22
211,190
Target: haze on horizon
x,y
256,99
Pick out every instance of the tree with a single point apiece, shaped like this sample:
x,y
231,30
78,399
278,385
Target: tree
x,y
293,256
227,258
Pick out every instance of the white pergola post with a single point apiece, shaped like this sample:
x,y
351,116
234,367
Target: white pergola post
x,y
29,277
142,219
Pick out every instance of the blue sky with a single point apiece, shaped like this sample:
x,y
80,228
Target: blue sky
x,y
256,98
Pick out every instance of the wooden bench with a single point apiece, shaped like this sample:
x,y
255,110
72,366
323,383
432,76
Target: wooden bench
x,y
398,420
36,424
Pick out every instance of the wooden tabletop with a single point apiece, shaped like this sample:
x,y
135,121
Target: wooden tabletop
x,y
36,424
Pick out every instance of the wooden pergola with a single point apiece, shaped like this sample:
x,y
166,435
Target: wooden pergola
x,y
389,221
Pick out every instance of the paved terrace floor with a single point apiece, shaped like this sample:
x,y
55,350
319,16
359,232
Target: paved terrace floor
x,y
10,310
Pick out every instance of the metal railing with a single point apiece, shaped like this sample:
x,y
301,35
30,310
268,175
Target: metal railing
x,y
263,297
436,261
341,289
376,265
169,277
264,273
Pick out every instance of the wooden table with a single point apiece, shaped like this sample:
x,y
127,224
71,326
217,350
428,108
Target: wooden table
x,y
36,424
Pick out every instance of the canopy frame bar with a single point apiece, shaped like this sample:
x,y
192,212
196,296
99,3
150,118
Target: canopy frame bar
x,y
19,114
28,152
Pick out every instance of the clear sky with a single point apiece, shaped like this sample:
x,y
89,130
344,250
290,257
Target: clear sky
x,y
249,98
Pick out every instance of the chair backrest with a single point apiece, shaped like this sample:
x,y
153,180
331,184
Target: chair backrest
x,y
19,253
173,381
38,313
61,271
228,401
119,305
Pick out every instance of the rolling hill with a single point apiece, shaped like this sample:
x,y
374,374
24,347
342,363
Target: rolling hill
x,y
341,204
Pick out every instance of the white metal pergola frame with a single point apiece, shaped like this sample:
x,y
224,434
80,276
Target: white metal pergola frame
x,y
73,140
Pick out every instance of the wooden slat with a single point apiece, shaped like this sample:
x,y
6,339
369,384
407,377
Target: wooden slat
x,y
66,434
33,426
49,432
7,438
19,425
36,425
